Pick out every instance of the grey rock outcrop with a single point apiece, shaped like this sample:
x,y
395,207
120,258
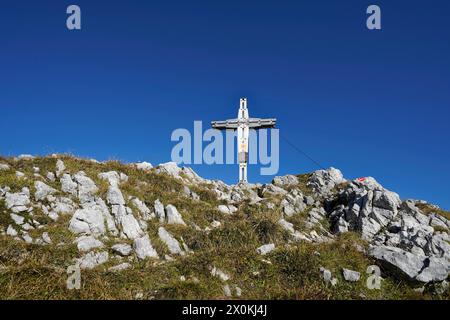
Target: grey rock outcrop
x,y
173,216
144,166
60,167
172,244
42,190
415,267
323,181
87,243
93,259
18,202
122,249
265,249
283,181
144,249
351,275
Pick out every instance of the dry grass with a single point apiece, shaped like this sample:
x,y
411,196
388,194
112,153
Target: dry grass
x,y
289,272
428,210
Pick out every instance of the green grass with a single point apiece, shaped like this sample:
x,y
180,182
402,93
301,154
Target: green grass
x,y
291,271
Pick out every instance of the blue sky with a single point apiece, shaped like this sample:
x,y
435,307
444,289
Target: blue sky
x,y
367,102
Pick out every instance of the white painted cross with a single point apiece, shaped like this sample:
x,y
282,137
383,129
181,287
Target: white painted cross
x,y
243,124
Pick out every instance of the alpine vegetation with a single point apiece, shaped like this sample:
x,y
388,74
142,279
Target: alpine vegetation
x,y
137,231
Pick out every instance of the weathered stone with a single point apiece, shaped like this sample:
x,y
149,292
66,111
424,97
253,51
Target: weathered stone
x,y
265,249
20,175
86,187
144,249
227,209
327,276
227,290
323,181
144,166
60,167
130,226
159,211
224,209
18,202
19,220
270,189
11,231
88,221
63,205
120,267
51,176
145,212
46,238
171,168
68,185
93,259
415,267
173,216
286,225
172,244
42,190
114,196
285,180
87,243
215,272
122,249
351,275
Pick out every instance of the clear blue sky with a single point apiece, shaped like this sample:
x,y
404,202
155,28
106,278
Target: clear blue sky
x,y
368,103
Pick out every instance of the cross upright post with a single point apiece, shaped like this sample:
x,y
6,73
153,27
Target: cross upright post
x,y
243,124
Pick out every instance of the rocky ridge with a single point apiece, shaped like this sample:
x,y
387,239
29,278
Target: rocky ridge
x,y
114,225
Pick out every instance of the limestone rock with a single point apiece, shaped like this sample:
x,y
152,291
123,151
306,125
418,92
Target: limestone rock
x,y
42,190
122,249
18,202
173,216
172,244
20,175
11,231
93,259
120,267
285,180
350,275
271,189
144,166
89,221
60,167
144,249
87,243
327,276
323,181
68,185
86,187
159,211
130,226
46,238
51,176
215,272
265,249
227,209
415,267
144,211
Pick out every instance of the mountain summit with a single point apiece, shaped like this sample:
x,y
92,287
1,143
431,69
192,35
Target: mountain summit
x,y
141,232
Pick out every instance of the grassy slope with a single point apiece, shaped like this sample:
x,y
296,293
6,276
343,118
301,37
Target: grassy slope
x,y
289,272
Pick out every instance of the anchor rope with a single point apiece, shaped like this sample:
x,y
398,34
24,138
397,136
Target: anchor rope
x,y
301,152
